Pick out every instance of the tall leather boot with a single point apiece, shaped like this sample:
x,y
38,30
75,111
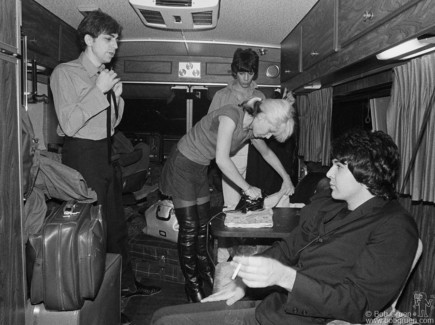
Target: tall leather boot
x,y
206,268
187,251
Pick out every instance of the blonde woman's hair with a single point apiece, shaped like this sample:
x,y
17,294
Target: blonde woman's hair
x,y
279,112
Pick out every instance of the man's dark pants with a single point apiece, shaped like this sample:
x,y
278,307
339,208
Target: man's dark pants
x,y
90,158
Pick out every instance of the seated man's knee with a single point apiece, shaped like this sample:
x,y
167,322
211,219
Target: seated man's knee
x,y
163,316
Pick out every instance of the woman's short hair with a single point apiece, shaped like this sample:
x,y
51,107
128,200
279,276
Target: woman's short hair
x,y
279,112
96,23
372,157
245,60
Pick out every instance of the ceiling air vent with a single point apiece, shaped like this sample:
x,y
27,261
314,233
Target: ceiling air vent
x,y
202,18
178,14
152,17
174,3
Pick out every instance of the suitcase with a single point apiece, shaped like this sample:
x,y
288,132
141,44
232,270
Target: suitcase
x,y
155,258
70,253
105,309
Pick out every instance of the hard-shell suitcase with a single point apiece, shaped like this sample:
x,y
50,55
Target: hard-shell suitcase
x,y
161,221
70,257
155,258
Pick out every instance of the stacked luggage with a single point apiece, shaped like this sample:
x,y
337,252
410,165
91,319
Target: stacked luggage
x,y
155,258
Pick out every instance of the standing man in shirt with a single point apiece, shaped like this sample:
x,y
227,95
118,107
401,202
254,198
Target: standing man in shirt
x,y
88,103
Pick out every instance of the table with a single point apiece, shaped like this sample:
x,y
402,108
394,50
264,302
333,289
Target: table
x,y
284,221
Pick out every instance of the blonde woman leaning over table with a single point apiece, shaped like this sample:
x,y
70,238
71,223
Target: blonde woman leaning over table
x,y
218,135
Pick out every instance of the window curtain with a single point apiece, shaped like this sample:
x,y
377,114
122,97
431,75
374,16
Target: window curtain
x,y
315,112
413,86
378,112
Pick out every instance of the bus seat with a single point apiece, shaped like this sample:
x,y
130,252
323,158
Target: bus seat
x,y
133,162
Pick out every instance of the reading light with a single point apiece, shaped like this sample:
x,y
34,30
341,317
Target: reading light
x,y
408,49
418,53
313,86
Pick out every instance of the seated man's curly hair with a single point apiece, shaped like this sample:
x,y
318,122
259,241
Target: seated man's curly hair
x,y
372,157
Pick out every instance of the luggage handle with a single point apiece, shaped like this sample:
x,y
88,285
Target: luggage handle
x,y
68,209
163,218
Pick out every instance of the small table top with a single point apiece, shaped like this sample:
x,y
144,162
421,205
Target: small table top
x,y
284,221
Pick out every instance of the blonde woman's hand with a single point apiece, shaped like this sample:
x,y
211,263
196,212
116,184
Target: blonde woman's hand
x,y
252,192
287,187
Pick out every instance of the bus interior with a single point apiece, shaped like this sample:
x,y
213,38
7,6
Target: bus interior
x,y
173,56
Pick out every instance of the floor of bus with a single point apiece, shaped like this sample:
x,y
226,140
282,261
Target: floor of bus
x,y
141,308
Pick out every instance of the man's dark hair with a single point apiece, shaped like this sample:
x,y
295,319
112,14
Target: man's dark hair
x,y
373,159
245,60
96,23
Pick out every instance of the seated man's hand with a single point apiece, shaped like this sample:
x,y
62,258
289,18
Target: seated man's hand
x,y
231,292
261,272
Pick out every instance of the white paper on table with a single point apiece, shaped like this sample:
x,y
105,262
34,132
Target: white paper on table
x,y
297,205
252,219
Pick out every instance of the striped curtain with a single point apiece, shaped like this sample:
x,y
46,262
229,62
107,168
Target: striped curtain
x,y
413,86
315,112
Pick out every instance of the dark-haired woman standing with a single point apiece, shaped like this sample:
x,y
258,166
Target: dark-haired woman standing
x,y
218,135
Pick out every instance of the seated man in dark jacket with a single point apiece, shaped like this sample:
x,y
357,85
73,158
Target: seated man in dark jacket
x,y
347,259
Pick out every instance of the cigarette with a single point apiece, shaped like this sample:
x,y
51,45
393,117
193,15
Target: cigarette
x,y
236,271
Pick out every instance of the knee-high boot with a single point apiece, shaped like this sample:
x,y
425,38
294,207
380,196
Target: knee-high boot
x,y
205,266
187,251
